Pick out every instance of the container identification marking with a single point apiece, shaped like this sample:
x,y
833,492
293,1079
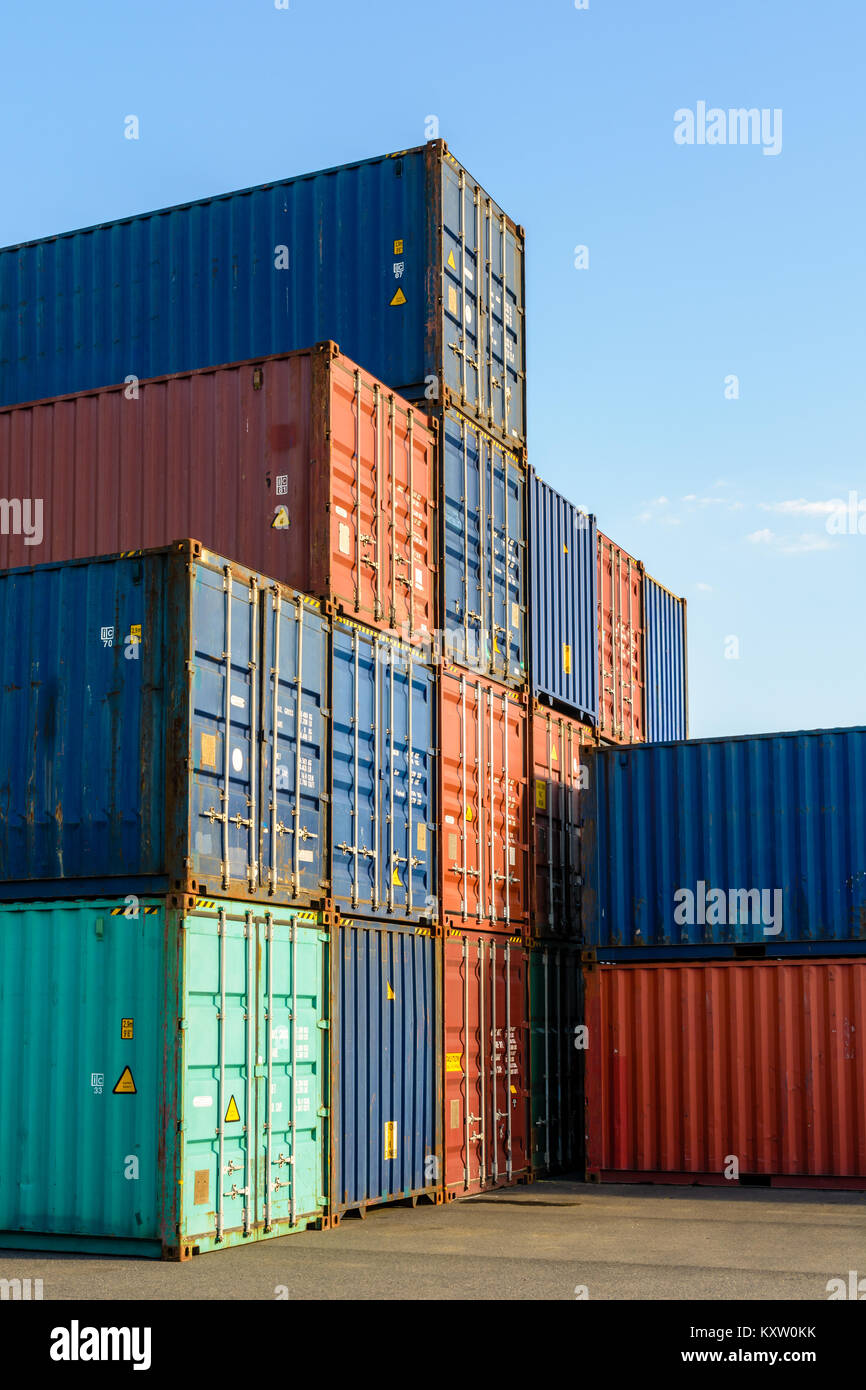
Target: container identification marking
x,y
232,1114
454,1061
390,1140
125,1084
399,298
541,796
208,749
398,247
127,1026
202,1102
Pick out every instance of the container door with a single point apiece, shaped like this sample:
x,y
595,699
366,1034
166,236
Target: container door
x,y
293,763
223,713
509,1063
290,1103
407,831
557,1059
217,1069
482,288
621,644
465,1079
357,875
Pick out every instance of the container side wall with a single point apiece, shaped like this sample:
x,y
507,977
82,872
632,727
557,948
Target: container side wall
x,y
557,1057
620,644
666,658
564,602
559,776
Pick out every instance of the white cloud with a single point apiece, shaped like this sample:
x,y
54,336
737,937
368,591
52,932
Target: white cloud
x,y
764,537
805,543
800,506
705,588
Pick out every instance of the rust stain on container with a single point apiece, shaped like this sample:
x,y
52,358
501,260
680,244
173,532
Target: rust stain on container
x,y
728,1071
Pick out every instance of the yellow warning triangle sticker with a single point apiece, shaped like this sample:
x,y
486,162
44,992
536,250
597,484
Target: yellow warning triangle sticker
x,y
399,298
125,1085
553,753
232,1114
391,994
468,812
281,519
396,879
451,260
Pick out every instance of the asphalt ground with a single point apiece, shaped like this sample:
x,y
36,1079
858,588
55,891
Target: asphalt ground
x,y
553,1240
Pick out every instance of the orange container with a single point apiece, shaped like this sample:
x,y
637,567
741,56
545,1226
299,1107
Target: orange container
x,y
555,859
484,801
303,467
725,1072
486,1040
620,644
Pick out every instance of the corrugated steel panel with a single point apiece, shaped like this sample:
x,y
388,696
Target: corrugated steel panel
x,y
484,801
484,552
564,601
620,644
383,774
693,1067
556,1018
666,678
672,831
386,1090
486,1062
402,259
559,772
106,1079
117,698
304,467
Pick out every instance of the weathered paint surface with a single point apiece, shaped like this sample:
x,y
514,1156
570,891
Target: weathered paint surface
x,y
727,1070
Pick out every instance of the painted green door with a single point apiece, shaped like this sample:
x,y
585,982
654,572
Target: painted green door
x,y
253,1069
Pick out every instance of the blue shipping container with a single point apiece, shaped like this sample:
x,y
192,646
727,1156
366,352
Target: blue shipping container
x,y
384,841
386,1085
403,260
563,602
717,845
114,759
484,520
666,664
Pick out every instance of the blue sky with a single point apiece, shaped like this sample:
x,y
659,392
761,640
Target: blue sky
x,y
705,261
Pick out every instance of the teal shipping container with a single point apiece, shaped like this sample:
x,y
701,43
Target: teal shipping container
x,y
163,1074
163,725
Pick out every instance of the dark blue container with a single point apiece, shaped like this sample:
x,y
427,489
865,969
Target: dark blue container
x,y
563,602
116,774
740,846
384,840
403,260
666,665
484,521
386,1087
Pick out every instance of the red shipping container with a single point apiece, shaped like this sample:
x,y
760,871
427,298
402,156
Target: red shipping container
x,y
555,860
486,1039
730,1070
620,644
484,784
302,467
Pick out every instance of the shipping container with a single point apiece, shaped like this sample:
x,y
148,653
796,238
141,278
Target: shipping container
x,y
486,1134
666,680
383,778
386,1087
727,846
402,259
557,1051
737,1071
484,804
163,1076
121,677
484,552
620,644
564,602
559,774
302,466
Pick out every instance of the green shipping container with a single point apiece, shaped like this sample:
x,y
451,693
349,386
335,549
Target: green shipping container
x,y
163,1083
558,1049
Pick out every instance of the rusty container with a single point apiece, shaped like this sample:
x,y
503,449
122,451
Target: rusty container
x,y
620,644
750,1072
559,773
486,1040
303,466
484,804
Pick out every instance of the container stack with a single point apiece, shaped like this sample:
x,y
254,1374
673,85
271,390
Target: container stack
x,y
291,803
724,916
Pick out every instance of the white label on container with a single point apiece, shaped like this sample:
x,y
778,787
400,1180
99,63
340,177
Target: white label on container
x,y
203,842
449,820
515,615
419,579
305,856
237,760
239,702
344,538
511,855
341,511
202,1102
